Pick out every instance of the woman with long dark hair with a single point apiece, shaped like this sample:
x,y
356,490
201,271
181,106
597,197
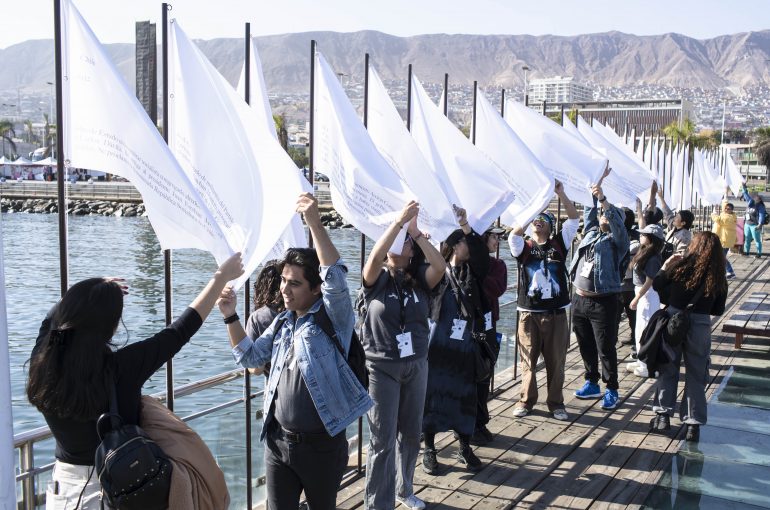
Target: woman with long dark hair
x,y
646,264
462,317
396,292
75,364
700,277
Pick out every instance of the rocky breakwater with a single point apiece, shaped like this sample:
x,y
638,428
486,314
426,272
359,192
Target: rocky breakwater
x,y
330,218
74,207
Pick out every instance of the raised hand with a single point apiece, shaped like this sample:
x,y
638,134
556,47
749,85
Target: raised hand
x,y
231,268
408,213
227,301
307,205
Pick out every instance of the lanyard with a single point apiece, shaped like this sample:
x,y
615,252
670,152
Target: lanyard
x,y
401,297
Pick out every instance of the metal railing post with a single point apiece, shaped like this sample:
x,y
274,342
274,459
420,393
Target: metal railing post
x,y
27,463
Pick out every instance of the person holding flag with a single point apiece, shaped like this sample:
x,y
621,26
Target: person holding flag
x,y
597,270
311,394
542,303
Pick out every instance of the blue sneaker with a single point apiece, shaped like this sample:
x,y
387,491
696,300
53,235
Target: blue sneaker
x,y
610,400
589,390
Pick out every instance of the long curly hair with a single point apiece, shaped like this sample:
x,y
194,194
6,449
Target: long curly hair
x,y
267,287
705,261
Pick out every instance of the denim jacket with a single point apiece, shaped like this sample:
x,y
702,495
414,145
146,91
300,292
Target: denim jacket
x,y
338,396
610,249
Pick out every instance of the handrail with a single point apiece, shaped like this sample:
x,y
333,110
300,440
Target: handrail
x,y
41,433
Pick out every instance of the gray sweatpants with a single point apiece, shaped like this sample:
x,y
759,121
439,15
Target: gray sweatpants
x,y
695,350
398,390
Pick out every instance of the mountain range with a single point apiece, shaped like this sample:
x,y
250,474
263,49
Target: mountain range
x,y
610,59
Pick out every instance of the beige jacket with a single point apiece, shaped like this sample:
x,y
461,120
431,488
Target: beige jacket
x,y
197,482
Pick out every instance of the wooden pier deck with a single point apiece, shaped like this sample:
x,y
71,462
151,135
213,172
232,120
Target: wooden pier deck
x,y
597,459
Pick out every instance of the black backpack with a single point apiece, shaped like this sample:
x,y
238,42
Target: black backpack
x,y
356,356
133,471
668,247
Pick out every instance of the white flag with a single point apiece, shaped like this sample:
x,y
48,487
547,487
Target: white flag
x,y
532,183
569,160
294,234
469,178
244,175
733,177
707,183
629,179
7,470
681,187
365,189
257,90
105,128
392,139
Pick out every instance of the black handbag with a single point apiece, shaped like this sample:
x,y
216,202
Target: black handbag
x,y
134,472
483,357
679,323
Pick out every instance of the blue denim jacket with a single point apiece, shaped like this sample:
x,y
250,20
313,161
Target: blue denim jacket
x,y
338,396
610,252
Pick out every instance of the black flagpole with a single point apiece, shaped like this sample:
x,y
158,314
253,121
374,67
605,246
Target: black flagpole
x,y
246,285
167,253
311,137
60,156
446,94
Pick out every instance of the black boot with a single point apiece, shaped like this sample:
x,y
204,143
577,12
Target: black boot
x,y
429,461
661,423
466,457
693,433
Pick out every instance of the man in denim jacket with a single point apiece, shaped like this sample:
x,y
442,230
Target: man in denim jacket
x,y
597,271
311,395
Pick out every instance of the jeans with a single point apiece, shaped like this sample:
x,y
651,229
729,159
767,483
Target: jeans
x,y
695,350
752,232
625,298
315,466
395,422
595,323
728,266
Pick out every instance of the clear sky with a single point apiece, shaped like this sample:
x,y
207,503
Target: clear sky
x,y
113,20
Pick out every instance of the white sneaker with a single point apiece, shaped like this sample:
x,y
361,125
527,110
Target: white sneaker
x,y
560,414
632,366
520,412
640,371
412,502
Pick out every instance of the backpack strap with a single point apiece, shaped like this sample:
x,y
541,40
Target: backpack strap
x,y
325,323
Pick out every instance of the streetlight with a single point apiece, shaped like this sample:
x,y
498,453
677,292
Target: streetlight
x,y
50,100
526,70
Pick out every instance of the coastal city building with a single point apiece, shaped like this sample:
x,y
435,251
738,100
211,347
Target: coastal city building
x,y
559,89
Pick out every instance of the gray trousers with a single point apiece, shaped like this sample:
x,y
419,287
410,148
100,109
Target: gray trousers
x,y
395,422
695,350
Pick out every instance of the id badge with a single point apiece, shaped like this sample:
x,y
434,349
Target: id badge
x,y
458,328
586,271
488,321
405,347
